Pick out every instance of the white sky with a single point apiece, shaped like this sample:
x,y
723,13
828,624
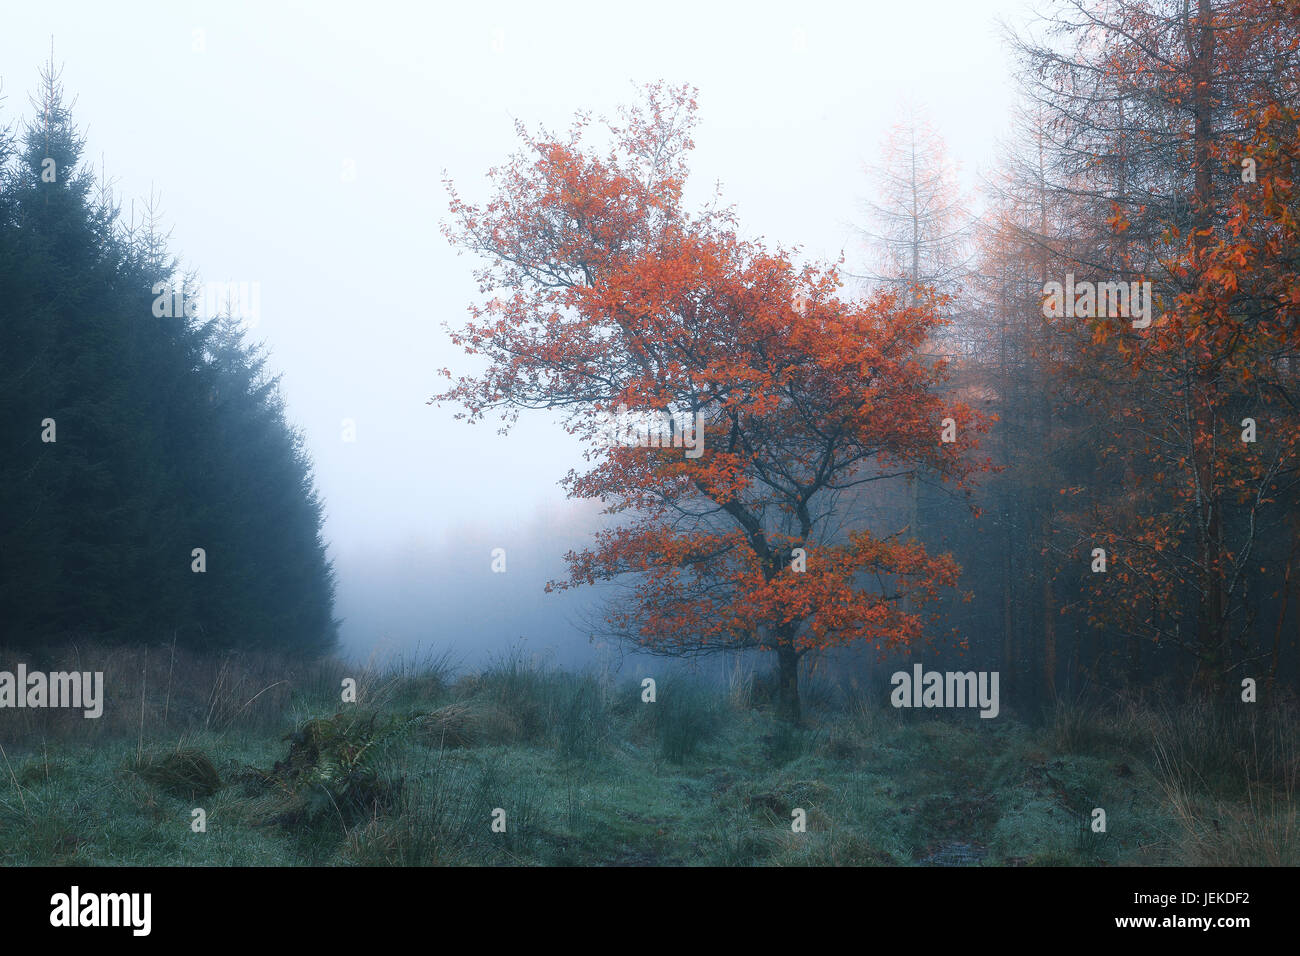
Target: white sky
x,y
246,141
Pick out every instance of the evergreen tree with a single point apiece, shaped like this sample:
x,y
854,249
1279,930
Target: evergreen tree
x,y
128,438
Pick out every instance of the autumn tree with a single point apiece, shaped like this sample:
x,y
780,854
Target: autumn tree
x,y
608,294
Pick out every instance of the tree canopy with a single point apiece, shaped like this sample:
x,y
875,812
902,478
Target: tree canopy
x,y
617,297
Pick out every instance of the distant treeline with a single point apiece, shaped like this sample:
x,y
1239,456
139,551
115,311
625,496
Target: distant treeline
x,y
129,439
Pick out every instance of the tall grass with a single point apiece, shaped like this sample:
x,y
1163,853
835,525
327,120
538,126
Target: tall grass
x,y
685,715
1230,775
1080,725
412,774
170,689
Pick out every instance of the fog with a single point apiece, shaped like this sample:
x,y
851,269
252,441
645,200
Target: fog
x,y
302,147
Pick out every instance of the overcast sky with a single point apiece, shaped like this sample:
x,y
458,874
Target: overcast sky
x,y
301,146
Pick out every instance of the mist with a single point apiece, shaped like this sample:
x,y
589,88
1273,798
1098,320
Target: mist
x,y
302,147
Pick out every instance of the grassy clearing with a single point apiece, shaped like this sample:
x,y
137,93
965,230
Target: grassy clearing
x,y
588,774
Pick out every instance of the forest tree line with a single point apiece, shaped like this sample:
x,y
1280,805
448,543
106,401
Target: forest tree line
x,y
1144,528
153,490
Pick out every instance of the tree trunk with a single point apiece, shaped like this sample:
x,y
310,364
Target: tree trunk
x,y
1049,635
1211,634
788,700
1281,614
1212,649
906,605
1009,661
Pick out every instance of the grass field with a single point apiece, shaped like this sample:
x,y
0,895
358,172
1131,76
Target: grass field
x,y
589,774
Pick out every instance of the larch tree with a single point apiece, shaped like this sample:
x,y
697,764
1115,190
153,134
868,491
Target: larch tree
x,y
917,234
918,225
607,294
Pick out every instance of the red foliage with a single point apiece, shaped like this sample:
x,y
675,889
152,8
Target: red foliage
x,y
613,295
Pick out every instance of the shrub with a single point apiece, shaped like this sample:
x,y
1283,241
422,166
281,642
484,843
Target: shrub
x,y
471,723
183,773
334,769
519,689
